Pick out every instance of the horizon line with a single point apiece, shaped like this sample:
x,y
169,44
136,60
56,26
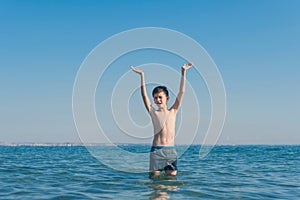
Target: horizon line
x,y
124,144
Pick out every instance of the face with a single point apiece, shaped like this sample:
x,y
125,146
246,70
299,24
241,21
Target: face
x,y
160,99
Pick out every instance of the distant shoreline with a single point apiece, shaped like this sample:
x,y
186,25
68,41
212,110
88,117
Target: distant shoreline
x,y
70,144
66,144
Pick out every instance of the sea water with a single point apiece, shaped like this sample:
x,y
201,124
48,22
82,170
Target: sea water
x,y
227,172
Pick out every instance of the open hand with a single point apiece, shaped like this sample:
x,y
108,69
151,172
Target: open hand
x,y
136,70
187,66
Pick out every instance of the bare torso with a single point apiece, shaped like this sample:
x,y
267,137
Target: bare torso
x,y
163,121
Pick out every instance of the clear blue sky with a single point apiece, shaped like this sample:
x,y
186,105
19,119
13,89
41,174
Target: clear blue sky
x,y
255,45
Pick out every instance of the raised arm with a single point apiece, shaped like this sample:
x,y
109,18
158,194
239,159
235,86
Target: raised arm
x,y
180,95
145,97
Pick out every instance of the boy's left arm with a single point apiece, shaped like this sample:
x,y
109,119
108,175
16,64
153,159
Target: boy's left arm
x,y
180,95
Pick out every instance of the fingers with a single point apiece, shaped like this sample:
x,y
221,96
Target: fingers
x,y
136,70
187,66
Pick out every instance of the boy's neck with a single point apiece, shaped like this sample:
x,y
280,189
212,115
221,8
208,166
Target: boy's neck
x,y
163,108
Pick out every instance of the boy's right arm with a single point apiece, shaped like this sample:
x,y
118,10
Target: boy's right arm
x,y
143,88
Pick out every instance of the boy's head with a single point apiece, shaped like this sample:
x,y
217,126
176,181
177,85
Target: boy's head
x,y
159,89
160,95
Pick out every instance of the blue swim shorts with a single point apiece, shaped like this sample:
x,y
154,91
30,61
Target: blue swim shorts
x,y
163,158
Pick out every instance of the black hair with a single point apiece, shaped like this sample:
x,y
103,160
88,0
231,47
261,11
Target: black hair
x,y
159,89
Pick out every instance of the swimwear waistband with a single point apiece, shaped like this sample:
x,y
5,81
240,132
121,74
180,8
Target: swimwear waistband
x,y
153,148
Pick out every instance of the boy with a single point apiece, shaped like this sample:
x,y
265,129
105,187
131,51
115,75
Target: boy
x,y
163,155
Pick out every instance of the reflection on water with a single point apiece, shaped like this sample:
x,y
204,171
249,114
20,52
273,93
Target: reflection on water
x,y
163,185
